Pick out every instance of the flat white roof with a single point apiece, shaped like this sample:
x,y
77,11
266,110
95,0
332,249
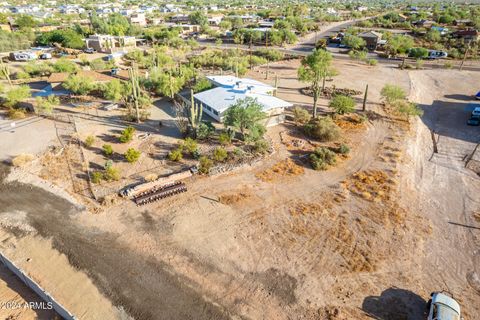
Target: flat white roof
x,y
240,84
221,98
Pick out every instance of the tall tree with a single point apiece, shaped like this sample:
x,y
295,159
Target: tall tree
x,y
244,115
315,68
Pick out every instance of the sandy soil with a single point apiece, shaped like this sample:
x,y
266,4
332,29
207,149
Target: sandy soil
x,y
369,238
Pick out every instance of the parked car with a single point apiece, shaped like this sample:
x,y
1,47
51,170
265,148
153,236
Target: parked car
x,y
477,96
111,106
473,121
476,111
434,54
89,50
442,307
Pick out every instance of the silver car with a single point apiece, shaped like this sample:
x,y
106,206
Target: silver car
x,y
443,307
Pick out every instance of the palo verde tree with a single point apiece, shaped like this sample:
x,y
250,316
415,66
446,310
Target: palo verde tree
x,y
245,115
315,69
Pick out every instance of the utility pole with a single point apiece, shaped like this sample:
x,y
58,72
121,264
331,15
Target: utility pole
x,y
365,98
465,55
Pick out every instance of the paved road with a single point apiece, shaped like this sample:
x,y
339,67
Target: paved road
x,y
308,44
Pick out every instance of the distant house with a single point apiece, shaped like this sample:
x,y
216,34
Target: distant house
x,y
467,35
57,79
138,19
463,22
180,19
371,38
229,90
110,44
215,20
423,23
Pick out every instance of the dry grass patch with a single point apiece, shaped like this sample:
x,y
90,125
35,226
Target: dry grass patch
x,y
22,160
371,185
282,169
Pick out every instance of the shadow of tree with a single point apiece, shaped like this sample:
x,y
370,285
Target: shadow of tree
x,y
395,304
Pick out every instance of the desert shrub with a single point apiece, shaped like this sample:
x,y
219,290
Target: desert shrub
x,y
97,177
323,129
238,152
419,64
16,114
111,174
343,149
205,130
107,149
372,62
321,158
205,164
392,93
220,154
261,146
132,155
190,145
342,104
225,139
448,65
127,135
175,155
301,116
407,108
89,141
22,159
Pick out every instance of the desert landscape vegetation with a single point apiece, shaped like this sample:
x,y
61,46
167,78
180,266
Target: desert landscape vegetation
x,y
359,201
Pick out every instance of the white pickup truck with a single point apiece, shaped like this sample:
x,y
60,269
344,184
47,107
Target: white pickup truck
x,y
443,307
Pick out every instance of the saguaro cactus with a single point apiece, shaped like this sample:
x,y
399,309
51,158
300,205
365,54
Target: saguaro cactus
x,y
195,114
5,71
132,72
365,98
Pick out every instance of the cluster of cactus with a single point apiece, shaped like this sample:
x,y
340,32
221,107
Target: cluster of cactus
x,y
195,113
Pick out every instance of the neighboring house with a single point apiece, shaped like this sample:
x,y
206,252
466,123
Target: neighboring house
x,y
467,35
215,21
138,19
229,89
371,38
180,19
462,23
110,44
423,23
185,28
155,21
57,79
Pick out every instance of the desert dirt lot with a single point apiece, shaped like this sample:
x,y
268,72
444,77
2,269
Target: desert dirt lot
x,y
369,238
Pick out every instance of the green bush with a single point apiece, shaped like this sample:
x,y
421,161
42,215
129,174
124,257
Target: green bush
x,y
220,154
127,134
392,92
89,141
132,155
448,65
202,84
107,150
301,116
205,130
205,164
225,139
372,62
343,149
112,174
261,146
189,145
321,158
323,129
97,177
175,155
342,104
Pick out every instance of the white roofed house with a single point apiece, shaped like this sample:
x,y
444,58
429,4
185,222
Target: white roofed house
x,y
229,89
